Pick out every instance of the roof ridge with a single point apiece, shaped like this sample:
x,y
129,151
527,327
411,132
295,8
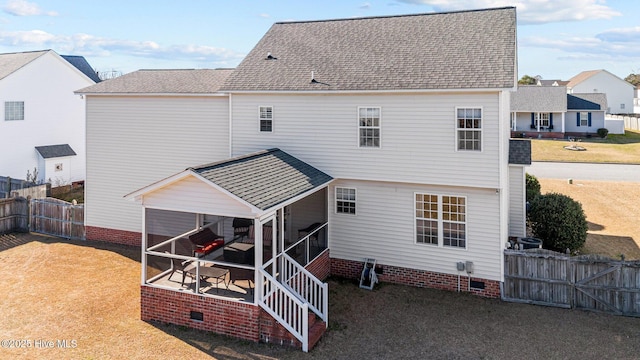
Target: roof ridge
x,y
395,16
237,158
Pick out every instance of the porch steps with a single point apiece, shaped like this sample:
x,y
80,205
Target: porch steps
x,y
317,328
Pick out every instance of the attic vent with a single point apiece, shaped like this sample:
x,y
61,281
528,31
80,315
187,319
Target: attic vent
x,y
270,57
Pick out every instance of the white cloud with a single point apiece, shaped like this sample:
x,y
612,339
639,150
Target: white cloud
x,y
264,15
365,6
624,35
532,11
586,47
25,8
89,45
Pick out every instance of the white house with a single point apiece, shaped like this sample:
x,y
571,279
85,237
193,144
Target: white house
x,y
43,122
337,141
549,112
619,92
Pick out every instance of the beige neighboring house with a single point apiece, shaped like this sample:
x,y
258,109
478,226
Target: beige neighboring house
x,y
619,93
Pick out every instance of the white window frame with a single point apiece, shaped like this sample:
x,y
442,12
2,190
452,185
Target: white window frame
x,y
58,167
353,201
542,120
370,127
465,129
584,118
14,110
441,221
261,118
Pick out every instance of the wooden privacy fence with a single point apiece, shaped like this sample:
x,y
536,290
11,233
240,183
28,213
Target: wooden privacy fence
x,y
14,215
58,218
544,277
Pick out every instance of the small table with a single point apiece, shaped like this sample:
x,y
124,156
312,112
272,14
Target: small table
x,y
212,272
239,253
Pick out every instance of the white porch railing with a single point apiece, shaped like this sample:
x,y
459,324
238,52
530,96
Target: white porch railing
x,y
285,307
306,286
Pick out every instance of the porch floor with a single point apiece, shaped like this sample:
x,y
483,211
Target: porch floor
x,y
238,290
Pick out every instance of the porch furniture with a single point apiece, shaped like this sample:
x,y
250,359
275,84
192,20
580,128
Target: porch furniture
x,y
185,267
239,274
267,236
239,253
241,227
309,229
205,241
211,272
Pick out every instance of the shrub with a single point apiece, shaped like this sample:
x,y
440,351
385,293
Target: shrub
x,y
602,132
559,221
532,186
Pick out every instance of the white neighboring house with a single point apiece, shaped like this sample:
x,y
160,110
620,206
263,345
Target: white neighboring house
x,y
619,92
43,122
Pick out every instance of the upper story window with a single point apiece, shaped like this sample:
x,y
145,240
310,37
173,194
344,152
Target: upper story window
x,y
345,200
266,118
14,110
441,220
469,128
622,106
369,126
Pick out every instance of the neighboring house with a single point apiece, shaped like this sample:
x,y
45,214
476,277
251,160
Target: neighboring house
x,y
549,112
636,101
336,141
43,124
619,92
541,82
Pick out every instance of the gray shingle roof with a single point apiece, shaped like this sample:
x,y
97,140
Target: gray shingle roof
x,y
587,101
82,64
184,81
539,99
264,179
54,151
11,62
453,50
520,151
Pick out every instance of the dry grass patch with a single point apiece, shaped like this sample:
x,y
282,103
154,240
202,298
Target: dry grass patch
x,y
612,209
613,149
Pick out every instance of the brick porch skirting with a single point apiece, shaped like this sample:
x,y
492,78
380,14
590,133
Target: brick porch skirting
x,y
419,278
113,235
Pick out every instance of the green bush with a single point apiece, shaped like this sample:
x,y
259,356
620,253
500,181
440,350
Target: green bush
x,y
533,187
559,221
602,132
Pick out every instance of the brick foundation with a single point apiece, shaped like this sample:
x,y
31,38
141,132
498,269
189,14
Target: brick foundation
x,y
321,266
418,278
113,235
232,318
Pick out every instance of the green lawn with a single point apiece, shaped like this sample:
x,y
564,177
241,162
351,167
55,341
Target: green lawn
x,y
614,149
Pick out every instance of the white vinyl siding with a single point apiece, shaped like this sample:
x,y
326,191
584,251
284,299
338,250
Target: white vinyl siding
x,y
517,221
385,229
135,141
419,133
13,110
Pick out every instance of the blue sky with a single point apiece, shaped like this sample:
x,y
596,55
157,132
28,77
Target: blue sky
x,y
556,38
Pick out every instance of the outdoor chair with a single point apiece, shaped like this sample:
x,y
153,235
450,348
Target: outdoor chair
x,y
185,267
241,227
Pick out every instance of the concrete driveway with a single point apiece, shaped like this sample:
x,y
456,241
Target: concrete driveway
x,y
585,171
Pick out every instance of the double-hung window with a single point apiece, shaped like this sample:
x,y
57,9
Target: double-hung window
x,y
266,118
345,200
542,119
584,119
469,128
369,126
13,110
441,220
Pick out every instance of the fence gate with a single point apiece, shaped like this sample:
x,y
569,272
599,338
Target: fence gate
x,y
58,218
588,282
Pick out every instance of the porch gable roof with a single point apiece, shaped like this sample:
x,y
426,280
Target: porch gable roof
x,y
260,180
264,179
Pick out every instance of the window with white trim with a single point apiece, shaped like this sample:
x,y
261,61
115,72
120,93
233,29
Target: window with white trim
x,y
441,220
584,119
369,126
58,167
345,200
621,106
13,110
542,119
266,118
469,129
